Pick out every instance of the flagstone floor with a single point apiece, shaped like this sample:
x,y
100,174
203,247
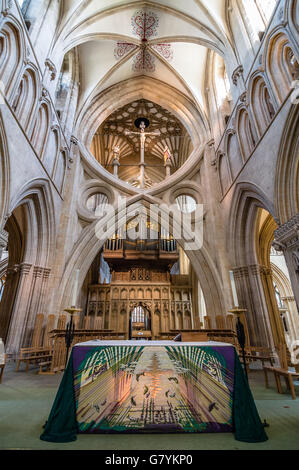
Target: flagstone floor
x,y
26,400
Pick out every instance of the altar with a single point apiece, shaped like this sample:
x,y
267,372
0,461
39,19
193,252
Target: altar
x,y
153,387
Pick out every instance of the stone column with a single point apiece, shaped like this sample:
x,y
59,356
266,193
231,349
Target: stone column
x,y
167,167
19,313
115,161
286,239
251,295
293,315
37,300
275,319
11,284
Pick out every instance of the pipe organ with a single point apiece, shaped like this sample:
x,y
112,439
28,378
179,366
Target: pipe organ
x,y
142,294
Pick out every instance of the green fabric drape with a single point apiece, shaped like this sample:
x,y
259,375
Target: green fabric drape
x,y
247,423
62,424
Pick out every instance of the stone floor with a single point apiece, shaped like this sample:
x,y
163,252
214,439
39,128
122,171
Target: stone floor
x,y
26,400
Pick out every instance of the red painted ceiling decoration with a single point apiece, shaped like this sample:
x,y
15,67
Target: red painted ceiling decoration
x,y
122,49
144,61
144,25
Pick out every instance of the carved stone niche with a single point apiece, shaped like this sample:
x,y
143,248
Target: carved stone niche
x,y
6,6
52,69
237,74
244,98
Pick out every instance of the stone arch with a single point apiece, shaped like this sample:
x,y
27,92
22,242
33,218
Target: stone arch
x,y
246,199
233,152
32,210
94,113
285,289
12,47
4,174
88,245
60,169
261,103
246,132
251,276
224,172
52,147
281,64
25,99
41,128
287,169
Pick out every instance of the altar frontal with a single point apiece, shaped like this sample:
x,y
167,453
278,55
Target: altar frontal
x,y
152,387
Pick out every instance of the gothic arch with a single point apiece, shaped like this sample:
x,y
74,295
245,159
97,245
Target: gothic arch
x,y
135,89
281,64
41,128
88,245
36,198
33,209
261,103
25,98
232,150
12,47
245,132
224,172
287,169
247,198
4,173
51,151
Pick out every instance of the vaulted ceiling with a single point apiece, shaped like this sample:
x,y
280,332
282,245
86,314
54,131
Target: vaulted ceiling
x,y
119,131
165,39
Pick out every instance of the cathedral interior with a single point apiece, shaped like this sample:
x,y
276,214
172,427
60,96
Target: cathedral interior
x,y
109,109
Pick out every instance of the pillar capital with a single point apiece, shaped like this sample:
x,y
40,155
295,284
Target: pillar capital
x,y
287,234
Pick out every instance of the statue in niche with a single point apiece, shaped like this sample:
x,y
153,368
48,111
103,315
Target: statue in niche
x,y
167,155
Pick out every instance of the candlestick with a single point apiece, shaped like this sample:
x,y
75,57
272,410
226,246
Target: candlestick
x,y
75,289
241,334
70,330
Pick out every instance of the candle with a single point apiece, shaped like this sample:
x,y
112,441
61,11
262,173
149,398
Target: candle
x,y
75,289
234,291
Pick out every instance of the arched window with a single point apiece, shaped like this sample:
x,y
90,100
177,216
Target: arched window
x,y
258,14
138,315
278,297
2,284
223,91
253,20
266,8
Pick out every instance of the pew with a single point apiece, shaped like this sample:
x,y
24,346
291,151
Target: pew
x,y
282,371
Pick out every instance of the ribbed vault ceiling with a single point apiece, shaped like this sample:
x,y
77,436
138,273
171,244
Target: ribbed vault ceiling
x,y
172,134
165,39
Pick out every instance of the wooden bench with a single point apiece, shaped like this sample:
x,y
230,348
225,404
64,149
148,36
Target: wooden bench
x,y
33,356
288,376
253,354
43,364
282,371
